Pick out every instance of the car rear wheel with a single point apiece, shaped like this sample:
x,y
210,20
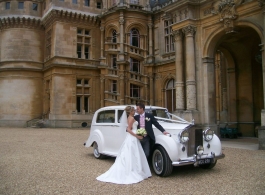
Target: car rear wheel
x,y
161,162
208,166
96,151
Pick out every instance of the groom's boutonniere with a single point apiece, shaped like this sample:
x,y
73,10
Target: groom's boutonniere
x,y
147,119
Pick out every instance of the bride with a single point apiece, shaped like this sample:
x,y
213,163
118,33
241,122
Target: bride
x,y
131,165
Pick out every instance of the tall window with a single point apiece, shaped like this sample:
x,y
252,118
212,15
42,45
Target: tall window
x,y
20,5
114,61
134,91
134,65
82,95
169,41
74,1
99,4
114,36
114,86
83,43
135,37
35,6
170,95
7,5
87,3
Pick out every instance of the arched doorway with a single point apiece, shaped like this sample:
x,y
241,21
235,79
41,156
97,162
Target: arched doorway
x,y
238,81
170,95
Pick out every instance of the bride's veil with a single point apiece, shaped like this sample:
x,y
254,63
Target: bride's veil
x,y
123,122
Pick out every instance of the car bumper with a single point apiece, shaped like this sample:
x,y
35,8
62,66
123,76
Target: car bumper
x,y
194,160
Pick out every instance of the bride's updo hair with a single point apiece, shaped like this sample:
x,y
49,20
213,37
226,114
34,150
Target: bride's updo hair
x,y
128,110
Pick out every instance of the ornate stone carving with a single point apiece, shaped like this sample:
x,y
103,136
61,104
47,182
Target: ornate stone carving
x,y
189,30
19,22
177,34
121,21
227,13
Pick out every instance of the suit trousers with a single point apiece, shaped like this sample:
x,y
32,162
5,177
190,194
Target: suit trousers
x,y
145,142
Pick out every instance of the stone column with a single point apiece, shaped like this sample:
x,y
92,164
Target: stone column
x,y
150,26
151,90
102,42
102,89
189,32
209,102
180,103
121,21
122,86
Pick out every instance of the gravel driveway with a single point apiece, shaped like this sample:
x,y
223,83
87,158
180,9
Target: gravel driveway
x,y
54,161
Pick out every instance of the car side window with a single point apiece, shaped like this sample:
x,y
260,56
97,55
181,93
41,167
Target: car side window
x,y
106,116
120,112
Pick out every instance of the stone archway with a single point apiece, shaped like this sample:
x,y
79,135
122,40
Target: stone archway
x,y
238,80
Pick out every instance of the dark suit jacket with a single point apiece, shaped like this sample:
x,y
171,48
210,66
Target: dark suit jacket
x,y
148,125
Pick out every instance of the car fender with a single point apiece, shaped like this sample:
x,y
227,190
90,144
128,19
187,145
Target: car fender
x,y
215,146
96,137
169,144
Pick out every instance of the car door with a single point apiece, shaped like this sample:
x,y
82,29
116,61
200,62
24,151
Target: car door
x,y
109,126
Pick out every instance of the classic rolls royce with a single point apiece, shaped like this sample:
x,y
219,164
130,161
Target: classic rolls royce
x,y
186,144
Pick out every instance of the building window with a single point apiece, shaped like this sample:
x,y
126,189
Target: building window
x,y
169,41
114,86
82,95
134,91
134,65
83,43
134,1
61,0
74,1
48,44
44,5
35,6
135,37
114,36
20,5
7,5
170,95
114,61
87,3
99,5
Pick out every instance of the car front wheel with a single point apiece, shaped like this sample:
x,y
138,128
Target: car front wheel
x,y
161,162
96,152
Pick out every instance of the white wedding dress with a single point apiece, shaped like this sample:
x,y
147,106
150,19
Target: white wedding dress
x,y
131,165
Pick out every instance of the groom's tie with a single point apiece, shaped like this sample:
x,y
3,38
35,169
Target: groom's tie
x,y
142,122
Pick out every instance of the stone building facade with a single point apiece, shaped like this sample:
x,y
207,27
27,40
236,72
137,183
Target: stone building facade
x,y
61,60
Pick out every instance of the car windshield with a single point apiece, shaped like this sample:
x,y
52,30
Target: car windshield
x,y
158,112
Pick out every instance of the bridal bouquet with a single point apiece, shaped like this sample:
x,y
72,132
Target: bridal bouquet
x,y
141,132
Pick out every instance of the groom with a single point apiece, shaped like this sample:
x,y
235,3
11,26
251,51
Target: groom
x,y
146,120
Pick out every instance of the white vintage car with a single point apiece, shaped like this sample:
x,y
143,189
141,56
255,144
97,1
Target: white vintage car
x,y
186,144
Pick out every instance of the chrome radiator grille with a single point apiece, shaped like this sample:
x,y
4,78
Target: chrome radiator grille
x,y
195,139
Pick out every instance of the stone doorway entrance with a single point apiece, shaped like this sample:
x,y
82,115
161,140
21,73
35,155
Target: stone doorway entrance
x,y
238,81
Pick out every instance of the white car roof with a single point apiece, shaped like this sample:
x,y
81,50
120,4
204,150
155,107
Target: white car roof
x,y
123,106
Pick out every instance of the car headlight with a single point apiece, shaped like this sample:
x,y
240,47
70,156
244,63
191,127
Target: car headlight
x,y
184,136
208,134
